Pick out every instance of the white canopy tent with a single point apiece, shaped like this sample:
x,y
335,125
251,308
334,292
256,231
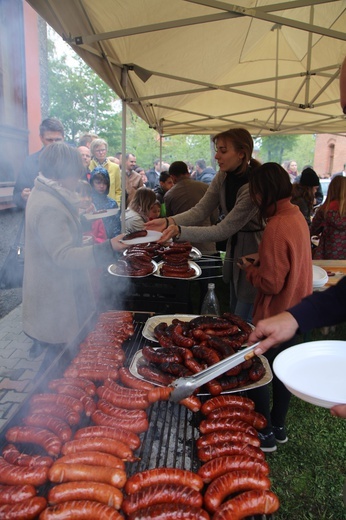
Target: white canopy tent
x,y
202,66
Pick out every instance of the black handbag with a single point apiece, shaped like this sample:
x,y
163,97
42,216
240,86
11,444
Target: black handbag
x,y
12,271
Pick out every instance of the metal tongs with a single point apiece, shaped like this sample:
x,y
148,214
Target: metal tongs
x,y
185,386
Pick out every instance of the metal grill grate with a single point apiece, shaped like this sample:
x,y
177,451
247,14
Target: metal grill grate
x,y
173,429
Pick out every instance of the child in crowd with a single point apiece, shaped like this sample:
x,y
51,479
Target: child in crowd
x,y
99,181
155,210
166,183
137,214
94,228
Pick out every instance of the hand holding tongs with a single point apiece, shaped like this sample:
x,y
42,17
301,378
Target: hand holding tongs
x,y
185,386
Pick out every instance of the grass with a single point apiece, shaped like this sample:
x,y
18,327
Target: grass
x,y
308,472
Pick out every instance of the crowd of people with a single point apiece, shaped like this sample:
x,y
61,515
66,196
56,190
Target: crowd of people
x,y
265,213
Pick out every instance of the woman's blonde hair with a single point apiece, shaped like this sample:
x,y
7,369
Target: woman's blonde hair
x,y
336,191
96,143
142,201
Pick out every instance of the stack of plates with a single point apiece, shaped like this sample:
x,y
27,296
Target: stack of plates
x,y
319,277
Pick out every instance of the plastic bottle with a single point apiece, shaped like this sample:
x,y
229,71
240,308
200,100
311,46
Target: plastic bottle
x,y
210,305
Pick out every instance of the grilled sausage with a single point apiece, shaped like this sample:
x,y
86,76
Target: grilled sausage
x,y
12,455
103,444
29,434
230,483
221,465
28,509
54,424
128,437
161,493
155,375
163,476
251,417
129,392
61,472
254,502
13,494
122,400
223,436
17,475
135,234
58,399
91,373
131,381
94,458
160,355
124,413
170,512
85,384
229,448
80,510
226,423
64,412
98,491
227,400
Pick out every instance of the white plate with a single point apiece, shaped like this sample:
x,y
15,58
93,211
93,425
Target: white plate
x,y
152,236
112,269
139,360
314,371
150,324
319,276
105,213
197,269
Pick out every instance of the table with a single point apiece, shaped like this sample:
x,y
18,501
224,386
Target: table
x,y
338,267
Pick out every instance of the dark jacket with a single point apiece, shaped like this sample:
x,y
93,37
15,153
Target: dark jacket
x,y
26,177
322,308
207,175
153,178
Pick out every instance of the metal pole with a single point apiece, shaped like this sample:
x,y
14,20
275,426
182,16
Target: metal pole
x,y
123,151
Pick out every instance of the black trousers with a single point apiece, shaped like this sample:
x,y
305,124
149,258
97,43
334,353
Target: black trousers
x,y
275,414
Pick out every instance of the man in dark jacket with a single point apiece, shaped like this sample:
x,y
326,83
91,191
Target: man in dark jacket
x,y
204,173
153,175
51,131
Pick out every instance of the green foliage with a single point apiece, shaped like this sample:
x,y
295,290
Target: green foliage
x,y
82,101
145,144
280,148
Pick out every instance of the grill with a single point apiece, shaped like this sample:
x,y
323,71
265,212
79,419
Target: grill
x,y
173,429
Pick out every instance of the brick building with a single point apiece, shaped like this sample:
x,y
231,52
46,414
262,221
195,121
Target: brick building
x,y
23,89
330,154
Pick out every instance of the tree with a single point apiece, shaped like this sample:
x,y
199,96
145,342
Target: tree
x,y
82,101
279,148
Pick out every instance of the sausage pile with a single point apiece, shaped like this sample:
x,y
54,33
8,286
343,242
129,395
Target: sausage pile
x,y
83,430
135,264
187,347
234,467
174,258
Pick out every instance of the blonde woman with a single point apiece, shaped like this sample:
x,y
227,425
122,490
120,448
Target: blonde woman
x,y
330,223
137,214
99,150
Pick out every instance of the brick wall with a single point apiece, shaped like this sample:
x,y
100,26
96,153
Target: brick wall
x,y
330,154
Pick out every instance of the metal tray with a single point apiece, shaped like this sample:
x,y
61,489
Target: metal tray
x,y
112,269
139,360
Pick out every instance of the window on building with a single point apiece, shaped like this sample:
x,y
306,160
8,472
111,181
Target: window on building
x,y
331,158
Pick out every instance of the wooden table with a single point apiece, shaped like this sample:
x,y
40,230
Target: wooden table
x,y
337,267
